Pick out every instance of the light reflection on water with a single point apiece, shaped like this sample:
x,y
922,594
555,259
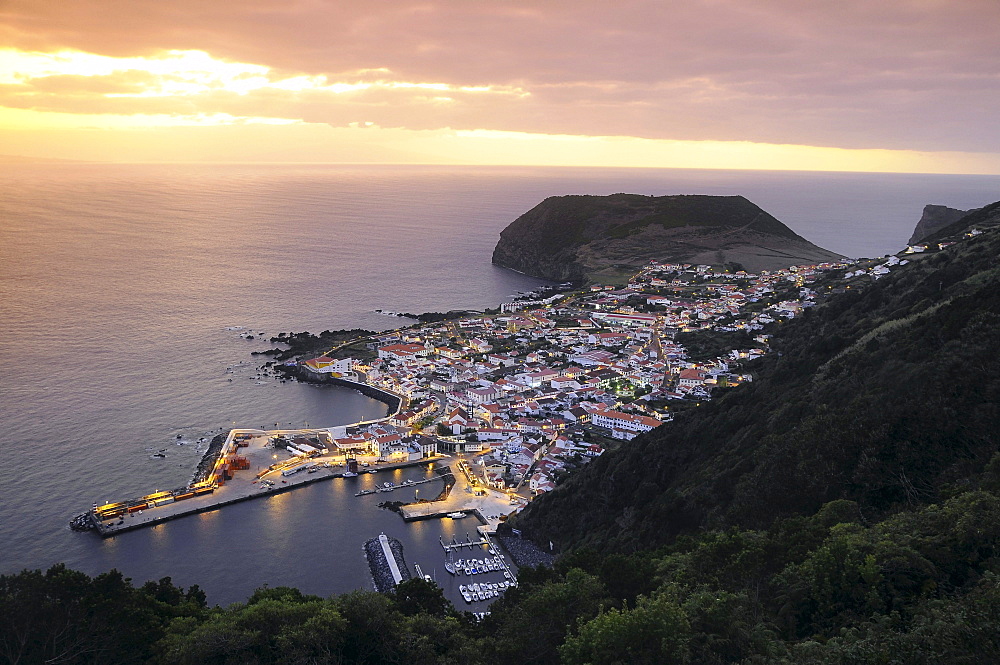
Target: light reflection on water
x,y
310,537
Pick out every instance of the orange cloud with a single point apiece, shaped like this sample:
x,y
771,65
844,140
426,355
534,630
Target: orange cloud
x,y
894,75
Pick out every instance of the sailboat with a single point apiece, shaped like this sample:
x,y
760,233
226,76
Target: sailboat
x,y
449,565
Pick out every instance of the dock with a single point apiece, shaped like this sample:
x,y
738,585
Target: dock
x,y
401,486
246,469
397,576
460,544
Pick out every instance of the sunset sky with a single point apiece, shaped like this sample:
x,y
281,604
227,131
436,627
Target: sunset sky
x,y
872,85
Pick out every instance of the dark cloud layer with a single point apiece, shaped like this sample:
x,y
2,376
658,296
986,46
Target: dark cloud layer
x,y
905,74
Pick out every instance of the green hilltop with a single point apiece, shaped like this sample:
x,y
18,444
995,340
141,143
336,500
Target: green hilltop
x,y
598,237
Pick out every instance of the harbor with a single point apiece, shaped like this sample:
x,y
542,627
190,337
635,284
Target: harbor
x,y
246,468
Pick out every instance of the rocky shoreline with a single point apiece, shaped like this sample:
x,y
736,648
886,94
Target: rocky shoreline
x,y
210,457
523,551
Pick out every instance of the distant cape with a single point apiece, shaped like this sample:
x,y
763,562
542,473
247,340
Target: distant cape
x,y
933,219
578,238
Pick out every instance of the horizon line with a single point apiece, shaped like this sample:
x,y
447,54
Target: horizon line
x,y
23,159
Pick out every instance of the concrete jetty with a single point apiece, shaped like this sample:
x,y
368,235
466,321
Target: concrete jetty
x,y
488,506
386,563
397,576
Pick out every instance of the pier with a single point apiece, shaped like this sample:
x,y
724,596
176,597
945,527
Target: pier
x,y
457,544
401,486
246,468
397,576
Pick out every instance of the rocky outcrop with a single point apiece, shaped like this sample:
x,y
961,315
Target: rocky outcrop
x,y
934,219
575,238
987,217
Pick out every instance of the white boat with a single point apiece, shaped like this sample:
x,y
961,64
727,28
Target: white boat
x,y
349,474
455,516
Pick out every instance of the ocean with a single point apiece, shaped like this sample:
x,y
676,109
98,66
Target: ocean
x,y
126,292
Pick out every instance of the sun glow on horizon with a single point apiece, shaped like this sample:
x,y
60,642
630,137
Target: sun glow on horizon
x,y
176,106
191,73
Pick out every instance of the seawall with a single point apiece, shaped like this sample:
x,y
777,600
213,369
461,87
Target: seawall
x,y
392,401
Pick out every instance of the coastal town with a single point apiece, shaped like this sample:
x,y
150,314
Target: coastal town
x,y
542,386
515,399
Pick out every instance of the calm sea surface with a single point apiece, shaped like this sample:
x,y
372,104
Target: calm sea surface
x,y
120,287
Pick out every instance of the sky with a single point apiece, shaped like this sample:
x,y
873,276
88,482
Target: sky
x,y
855,85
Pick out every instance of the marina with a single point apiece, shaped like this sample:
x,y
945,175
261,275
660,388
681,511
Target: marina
x,y
243,464
486,570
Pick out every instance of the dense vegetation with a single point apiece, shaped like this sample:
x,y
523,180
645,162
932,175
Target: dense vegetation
x,y
920,587
842,508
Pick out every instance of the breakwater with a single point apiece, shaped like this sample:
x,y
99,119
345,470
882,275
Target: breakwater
x,y
139,513
386,562
392,401
214,469
209,459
